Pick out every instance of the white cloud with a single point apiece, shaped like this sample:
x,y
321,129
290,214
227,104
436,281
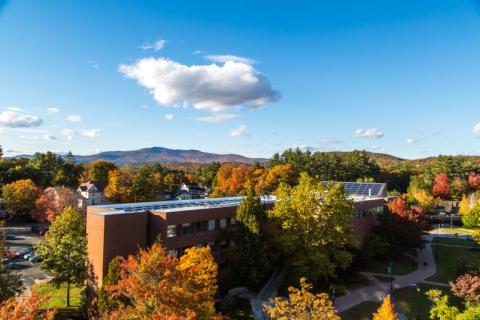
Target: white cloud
x,y
90,133
16,118
13,151
73,118
69,133
329,141
369,133
53,110
49,137
476,129
222,58
206,87
220,117
169,117
157,46
240,131
411,141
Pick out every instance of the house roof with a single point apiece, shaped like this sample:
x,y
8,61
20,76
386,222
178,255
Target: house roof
x,y
86,186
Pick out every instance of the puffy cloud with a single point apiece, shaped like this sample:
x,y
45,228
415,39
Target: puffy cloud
x,y
169,117
220,117
69,133
156,46
90,133
222,58
476,128
53,110
206,87
16,118
240,131
73,118
369,133
411,141
49,137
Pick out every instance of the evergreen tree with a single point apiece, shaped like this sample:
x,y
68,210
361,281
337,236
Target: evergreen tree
x,y
386,310
250,256
63,250
106,303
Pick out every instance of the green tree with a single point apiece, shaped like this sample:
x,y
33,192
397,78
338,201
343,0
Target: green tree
x,y
147,183
315,227
19,197
250,255
106,303
63,250
46,167
99,170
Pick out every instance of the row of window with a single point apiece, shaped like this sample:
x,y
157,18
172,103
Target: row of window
x,y
199,226
215,245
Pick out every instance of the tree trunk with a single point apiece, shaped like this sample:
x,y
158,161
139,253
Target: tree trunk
x,y
68,294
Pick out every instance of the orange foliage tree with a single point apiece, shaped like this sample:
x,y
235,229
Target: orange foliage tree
x,y
159,286
474,180
52,202
27,308
271,179
386,310
441,186
467,287
230,179
400,208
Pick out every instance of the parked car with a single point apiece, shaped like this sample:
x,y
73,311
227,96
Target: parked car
x,y
34,259
40,230
28,256
10,265
23,251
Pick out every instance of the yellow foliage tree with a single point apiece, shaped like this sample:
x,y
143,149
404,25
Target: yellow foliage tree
x,y
464,205
386,310
302,304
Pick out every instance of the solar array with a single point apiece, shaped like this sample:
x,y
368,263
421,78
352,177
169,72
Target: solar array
x,y
180,204
363,188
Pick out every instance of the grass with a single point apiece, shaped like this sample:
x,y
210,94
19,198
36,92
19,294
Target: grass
x,y
243,311
407,301
383,278
447,261
58,296
454,242
455,230
402,265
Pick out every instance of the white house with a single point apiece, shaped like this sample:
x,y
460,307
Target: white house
x,y
91,194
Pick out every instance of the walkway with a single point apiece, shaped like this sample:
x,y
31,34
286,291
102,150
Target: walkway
x,y
379,290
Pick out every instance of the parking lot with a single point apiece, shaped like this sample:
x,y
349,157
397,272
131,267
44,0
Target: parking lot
x,y
20,237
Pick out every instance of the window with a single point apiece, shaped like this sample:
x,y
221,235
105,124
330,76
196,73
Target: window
x,y
201,226
223,223
223,244
187,228
173,252
233,221
211,225
199,245
171,231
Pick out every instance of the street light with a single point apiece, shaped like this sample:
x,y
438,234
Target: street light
x,y
418,310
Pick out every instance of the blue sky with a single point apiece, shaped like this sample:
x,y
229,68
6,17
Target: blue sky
x,y
246,77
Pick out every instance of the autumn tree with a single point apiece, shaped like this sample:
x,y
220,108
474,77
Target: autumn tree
x,y
467,287
63,250
386,310
26,308
119,187
230,179
271,178
471,218
474,180
158,286
302,304
19,197
400,208
441,308
441,186
52,203
147,184
315,227
250,255
99,170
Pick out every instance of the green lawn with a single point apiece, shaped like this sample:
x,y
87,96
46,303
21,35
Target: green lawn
x,y
402,265
384,278
406,300
58,297
447,260
455,230
454,242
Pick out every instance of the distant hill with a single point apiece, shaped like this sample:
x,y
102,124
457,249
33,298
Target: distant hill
x,y
165,155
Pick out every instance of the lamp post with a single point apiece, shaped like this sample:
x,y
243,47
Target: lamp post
x,y
418,310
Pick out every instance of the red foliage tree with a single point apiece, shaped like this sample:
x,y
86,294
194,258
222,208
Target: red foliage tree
x,y
441,186
467,287
400,208
474,180
52,202
27,308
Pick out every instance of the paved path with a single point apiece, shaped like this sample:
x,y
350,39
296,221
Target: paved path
x,y
379,290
